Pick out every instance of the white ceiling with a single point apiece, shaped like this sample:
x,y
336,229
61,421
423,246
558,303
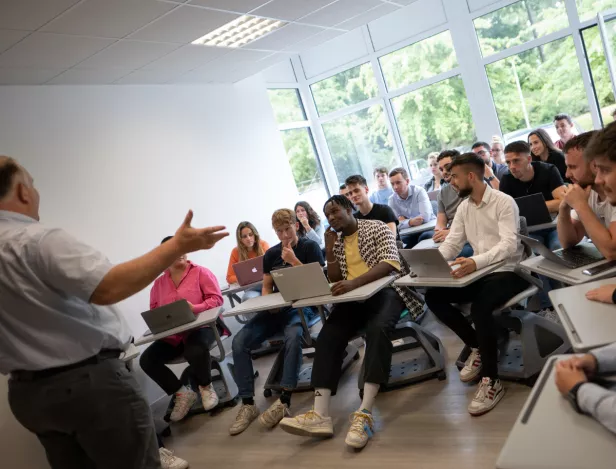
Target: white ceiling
x,y
148,41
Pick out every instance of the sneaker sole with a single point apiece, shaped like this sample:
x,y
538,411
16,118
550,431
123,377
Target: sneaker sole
x,y
211,407
300,431
478,413
267,424
472,377
355,445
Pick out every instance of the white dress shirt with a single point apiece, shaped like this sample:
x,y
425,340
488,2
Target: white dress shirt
x,y
46,280
490,228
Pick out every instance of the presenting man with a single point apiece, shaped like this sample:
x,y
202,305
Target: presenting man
x,y
60,340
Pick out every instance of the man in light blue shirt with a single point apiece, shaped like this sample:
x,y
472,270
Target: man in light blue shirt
x,y
410,203
60,338
383,192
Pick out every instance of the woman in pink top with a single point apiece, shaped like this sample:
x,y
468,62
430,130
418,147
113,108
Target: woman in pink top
x,y
198,286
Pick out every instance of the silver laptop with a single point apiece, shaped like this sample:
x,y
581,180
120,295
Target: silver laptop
x,y
250,271
549,434
428,263
534,209
169,316
301,282
574,257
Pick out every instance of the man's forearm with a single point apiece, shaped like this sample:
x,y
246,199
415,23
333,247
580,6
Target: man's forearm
x,y
333,267
128,278
596,230
441,221
567,234
382,269
553,205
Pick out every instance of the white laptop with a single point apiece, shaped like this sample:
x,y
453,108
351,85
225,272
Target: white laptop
x,y
428,263
301,282
169,316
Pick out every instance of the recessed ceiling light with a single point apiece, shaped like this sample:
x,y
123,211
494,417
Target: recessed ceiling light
x,y
239,32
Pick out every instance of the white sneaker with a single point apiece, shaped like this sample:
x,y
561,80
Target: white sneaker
x,y
276,412
488,394
472,366
362,429
169,461
183,402
244,418
209,398
308,424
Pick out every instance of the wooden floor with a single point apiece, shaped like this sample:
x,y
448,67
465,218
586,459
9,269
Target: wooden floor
x,y
423,426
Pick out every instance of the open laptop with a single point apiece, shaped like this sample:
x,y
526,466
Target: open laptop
x,y
301,282
169,316
428,263
533,208
249,271
574,257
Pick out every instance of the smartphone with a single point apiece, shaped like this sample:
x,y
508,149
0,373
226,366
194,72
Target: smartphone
x,y
600,268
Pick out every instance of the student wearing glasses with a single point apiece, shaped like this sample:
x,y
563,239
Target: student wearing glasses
x,y
494,172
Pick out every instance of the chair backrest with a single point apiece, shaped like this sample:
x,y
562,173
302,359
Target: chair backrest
x,y
434,207
524,232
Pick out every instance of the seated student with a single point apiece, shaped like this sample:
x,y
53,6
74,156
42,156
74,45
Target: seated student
x,y
488,220
410,203
498,150
383,192
290,252
344,191
358,252
528,177
594,216
494,171
366,210
543,149
435,182
249,246
565,130
448,201
309,223
198,286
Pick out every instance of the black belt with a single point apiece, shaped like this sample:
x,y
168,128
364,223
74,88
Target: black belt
x,y
24,375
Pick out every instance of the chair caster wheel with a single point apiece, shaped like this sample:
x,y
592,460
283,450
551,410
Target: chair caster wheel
x,y
267,393
441,376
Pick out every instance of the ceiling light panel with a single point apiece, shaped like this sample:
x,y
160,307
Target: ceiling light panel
x,y
240,31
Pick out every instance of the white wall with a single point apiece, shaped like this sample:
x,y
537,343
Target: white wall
x,y
119,166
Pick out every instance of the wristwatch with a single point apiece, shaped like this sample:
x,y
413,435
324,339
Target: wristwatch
x,y
572,397
491,178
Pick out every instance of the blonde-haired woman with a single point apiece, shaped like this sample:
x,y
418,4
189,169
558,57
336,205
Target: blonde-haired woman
x,y
249,246
434,183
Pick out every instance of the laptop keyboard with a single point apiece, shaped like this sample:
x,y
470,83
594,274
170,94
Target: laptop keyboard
x,y
578,257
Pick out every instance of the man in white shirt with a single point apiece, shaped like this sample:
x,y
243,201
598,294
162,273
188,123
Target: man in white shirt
x,y
488,220
594,216
60,338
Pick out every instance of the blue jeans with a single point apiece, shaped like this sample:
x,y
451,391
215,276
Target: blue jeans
x,y
549,238
264,325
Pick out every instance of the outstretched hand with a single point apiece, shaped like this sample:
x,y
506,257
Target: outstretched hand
x,y
191,239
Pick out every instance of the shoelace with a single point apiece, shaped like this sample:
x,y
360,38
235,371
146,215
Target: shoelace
x,y
359,421
244,410
310,415
475,362
166,456
482,392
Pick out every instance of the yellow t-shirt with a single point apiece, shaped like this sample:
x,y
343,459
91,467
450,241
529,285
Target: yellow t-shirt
x,y
355,264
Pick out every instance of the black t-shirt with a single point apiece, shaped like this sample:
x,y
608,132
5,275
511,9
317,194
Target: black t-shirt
x,y
546,179
556,158
306,251
380,212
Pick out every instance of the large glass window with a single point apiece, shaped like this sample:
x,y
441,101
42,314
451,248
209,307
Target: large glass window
x,y
359,142
434,118
299,146
587,9
598,67
287,105
419,61
530,88
344,89
518,23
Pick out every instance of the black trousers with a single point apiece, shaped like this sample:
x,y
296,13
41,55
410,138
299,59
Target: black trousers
x,y
486,295
195,349
91,417
376,317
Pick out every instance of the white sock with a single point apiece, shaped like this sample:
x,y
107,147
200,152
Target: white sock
x,y
370,392
322,397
